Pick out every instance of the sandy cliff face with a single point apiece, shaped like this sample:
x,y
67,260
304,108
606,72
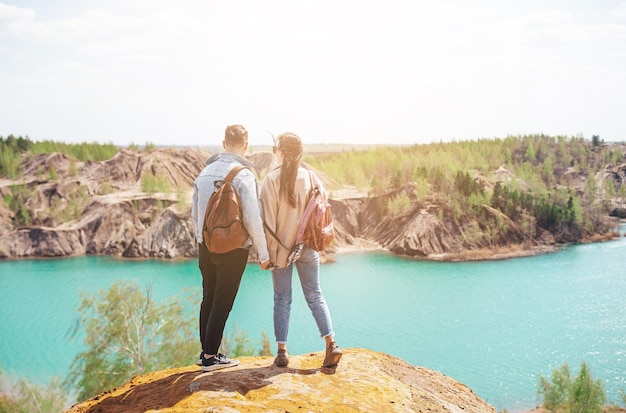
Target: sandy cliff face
x,y
428,230
63,207
365,381
77,208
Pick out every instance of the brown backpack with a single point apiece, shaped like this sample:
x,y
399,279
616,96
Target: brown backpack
x,y
223,229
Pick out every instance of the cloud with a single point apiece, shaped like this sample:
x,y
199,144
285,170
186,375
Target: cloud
x,y
19,22
620,11
330,69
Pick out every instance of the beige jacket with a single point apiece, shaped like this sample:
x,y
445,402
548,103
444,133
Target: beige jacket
x,y
280,217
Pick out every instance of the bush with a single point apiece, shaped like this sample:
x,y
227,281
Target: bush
x,y
26,397
17,201
82,151
11,150
580,395
399,204
152,184
9,163
237,344
127,333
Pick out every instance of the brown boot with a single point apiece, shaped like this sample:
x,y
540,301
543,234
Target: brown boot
x,y
281,359
333,355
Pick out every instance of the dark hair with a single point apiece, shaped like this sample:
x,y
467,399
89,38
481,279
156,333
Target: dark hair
x,y
291,146
236,135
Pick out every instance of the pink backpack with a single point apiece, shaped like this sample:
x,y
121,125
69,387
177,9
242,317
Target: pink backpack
x,y
316,229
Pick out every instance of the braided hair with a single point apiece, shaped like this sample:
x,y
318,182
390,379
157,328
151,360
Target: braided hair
x,y
291,146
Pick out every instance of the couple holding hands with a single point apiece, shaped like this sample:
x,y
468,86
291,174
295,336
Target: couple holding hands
x,y
279,208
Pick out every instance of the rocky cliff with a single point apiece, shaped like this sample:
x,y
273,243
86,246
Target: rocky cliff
x,y
137,204
75,208
365,381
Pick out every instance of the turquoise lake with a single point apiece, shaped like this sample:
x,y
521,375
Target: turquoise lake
x,y
495,326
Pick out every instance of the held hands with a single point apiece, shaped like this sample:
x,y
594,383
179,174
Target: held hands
x,y
267,265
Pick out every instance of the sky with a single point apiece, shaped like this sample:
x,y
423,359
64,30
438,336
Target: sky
x,y
393,72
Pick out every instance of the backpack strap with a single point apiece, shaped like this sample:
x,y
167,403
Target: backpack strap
x,y
231,175
313,181
273,234
301,227
305,217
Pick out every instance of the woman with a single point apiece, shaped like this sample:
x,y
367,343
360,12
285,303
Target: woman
x,y
284,195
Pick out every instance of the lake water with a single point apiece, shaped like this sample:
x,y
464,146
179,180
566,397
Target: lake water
x,y
495,326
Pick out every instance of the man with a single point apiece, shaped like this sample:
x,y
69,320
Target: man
x,y
222,273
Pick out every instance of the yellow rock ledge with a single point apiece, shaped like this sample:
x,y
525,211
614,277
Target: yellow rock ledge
x,y
365,381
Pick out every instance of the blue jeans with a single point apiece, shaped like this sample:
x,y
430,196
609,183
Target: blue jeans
x,y
308,267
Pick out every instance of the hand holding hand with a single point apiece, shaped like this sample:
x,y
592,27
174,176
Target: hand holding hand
x,y
267,265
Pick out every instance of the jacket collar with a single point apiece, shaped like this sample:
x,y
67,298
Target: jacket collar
x,y
228,156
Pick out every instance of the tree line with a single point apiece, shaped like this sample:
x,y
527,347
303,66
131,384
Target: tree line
x,y
14,147
528,178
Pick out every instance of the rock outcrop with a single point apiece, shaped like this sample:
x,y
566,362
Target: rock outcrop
x,y
75,208
138,204
618,213
365,381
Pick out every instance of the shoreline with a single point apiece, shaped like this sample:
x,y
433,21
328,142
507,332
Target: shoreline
x,y
363,245
481,254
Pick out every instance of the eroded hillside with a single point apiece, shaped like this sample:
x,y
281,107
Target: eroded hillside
x,y
137,204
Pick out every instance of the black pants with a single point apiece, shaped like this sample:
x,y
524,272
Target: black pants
x,y
221,276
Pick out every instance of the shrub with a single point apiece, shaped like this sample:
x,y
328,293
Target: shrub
x,y
580,395
399,204
52,174
17,201
81,151
152,184
9,163
26,397
128,333
11,150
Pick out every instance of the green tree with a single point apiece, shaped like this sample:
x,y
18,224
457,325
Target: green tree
x,y
595,140
266,347
555,393
237,343
583,394
9,162
82,151
530,154
25,397
586,394
127,333
398,204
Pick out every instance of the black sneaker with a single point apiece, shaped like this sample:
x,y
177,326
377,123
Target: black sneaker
x,y
200,357
217,362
